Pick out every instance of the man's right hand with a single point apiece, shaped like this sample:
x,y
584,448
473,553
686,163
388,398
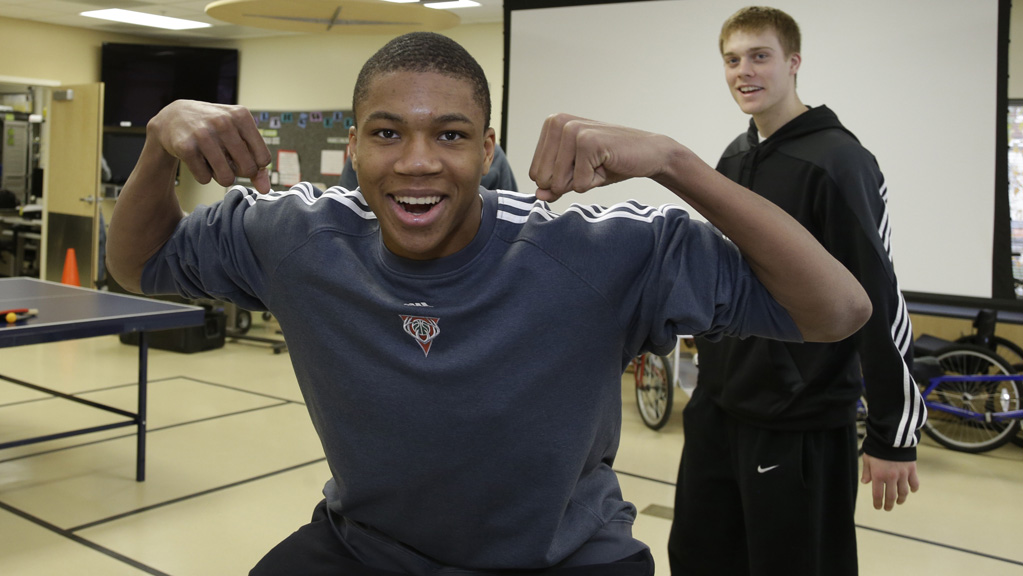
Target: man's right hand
x,y
577,154
215,141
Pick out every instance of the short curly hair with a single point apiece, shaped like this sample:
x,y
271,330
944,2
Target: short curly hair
x,y
425,52
759,18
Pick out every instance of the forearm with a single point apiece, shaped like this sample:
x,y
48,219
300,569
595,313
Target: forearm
x,y
884,344
146,213
823,298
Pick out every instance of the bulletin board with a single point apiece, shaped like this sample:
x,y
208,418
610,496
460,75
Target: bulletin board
x,y
306,146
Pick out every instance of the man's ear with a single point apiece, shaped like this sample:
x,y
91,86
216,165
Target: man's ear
x,y
489,141
352,137
795,59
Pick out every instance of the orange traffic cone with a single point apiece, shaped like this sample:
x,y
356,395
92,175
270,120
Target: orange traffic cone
x,y
70,276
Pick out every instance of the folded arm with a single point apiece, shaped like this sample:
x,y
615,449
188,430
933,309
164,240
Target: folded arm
x,y
216,142
823,298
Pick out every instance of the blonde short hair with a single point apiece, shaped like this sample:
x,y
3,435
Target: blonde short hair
x,y
759,18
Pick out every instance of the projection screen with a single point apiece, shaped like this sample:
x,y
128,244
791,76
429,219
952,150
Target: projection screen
x,y
920,82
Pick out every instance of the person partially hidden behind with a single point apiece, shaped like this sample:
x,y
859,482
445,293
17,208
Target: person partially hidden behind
x,y
460,350
767,481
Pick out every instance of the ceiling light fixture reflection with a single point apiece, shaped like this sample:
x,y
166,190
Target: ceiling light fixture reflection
x,y
143,19
452,5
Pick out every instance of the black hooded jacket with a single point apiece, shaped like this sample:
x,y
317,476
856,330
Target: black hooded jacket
x,y
818,172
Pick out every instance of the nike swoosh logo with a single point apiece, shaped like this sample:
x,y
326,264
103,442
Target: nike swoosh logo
x,y
761,469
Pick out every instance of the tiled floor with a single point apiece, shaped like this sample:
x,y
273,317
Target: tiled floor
x,y
234,466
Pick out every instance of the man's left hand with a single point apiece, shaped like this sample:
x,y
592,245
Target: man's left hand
x,y
892,481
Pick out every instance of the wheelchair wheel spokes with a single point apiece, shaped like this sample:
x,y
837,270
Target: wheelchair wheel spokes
x,y
1013,353
654,389
960,408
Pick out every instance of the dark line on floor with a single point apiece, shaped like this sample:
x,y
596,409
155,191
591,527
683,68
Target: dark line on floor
x,y
218,416
148,432
243,390
942,545
26,401
149,382
641,477
84,542
192,496
658,511
81,392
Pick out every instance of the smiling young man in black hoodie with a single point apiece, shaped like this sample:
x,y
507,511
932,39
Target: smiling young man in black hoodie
x,y
767,482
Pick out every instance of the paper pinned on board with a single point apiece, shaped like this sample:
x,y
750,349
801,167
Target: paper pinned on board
x,y
288,167
332,162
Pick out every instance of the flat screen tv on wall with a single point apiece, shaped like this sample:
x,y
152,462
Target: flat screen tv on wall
x,y
141,79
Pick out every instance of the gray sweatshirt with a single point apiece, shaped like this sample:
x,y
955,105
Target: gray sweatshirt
x,y
470,406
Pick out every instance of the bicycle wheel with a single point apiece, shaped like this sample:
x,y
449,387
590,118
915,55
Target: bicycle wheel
x,y
959,412
655,389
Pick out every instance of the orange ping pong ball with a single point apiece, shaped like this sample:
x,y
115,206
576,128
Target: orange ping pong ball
x,y
12,317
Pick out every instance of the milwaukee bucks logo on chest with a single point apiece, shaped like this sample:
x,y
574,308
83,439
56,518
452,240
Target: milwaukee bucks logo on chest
x,y
423,329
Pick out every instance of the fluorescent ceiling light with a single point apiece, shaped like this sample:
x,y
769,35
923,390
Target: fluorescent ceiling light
x,y
143,19
452,4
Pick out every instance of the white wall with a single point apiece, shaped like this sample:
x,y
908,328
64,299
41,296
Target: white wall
x,y
915,80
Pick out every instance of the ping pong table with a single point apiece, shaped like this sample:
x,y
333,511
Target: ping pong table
x,y
68,313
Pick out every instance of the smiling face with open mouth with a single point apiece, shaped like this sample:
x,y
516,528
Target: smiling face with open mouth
x,y
419,147
761,77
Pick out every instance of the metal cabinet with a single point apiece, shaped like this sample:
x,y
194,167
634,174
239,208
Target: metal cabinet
x,y
17,136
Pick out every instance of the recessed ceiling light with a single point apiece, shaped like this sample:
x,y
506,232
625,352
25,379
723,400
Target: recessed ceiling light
x,y
143,19
452,4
